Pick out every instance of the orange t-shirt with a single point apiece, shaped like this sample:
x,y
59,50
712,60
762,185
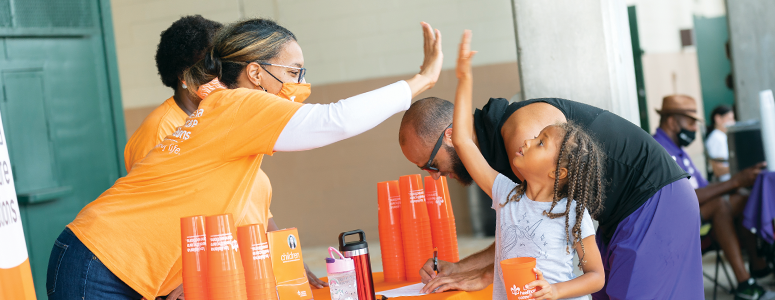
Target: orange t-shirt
x,y
209,166
161,122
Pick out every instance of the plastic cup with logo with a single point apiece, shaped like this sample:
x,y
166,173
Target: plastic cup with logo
x,y
517,273
390,240
225,272
415,226
194,257
442,219
259,276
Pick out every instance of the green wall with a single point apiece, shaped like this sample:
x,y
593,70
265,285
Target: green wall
x,y
62,113
711,34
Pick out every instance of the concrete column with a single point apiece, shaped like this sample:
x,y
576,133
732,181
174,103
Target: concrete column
x,y
578,50
752,46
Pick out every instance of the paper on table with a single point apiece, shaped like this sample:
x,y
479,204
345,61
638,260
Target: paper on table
x,y
407,291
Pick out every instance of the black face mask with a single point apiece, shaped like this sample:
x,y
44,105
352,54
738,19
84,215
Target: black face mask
x,y
686,137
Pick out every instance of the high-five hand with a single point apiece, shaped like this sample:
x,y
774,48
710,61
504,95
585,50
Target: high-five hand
x,y
433,57
464,56
432,61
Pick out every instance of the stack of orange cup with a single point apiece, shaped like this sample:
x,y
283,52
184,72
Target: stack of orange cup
x,y
442,220
259,277
517,273
194,256
389,200
415,226
226,277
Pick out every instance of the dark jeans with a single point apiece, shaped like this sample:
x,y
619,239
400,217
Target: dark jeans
x,y
75,273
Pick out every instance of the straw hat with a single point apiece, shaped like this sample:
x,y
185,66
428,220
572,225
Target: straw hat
x,y
679,104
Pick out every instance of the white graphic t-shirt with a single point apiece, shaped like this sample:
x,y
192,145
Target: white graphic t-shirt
x,y
522,230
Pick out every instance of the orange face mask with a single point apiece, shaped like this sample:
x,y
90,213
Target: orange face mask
x,y
296,92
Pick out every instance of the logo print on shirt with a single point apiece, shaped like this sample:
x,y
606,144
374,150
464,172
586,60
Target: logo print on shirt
x,y
519,236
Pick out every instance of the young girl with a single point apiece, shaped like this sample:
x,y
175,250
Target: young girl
x,y
547,216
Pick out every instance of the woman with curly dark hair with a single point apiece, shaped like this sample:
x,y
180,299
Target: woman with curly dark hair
x,y
182,44
251,82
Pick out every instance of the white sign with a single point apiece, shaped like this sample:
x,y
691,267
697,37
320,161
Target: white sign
x,y
767,110
13,249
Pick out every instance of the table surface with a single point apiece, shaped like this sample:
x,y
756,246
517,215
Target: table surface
x,y
381,285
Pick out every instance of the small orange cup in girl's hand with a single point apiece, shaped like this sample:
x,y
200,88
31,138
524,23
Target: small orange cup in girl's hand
x,y
517,273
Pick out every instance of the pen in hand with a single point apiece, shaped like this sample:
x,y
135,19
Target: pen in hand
x,y
436,260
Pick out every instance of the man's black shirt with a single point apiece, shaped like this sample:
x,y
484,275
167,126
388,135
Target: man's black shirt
x,y
636,165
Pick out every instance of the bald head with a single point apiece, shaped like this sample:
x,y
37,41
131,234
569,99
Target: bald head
x,y
422,126
426,119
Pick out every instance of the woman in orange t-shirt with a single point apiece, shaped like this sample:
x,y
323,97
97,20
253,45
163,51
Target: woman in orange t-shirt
x,y
183,44
130,249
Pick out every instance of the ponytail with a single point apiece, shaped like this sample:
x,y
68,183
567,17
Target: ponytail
x,y
234,48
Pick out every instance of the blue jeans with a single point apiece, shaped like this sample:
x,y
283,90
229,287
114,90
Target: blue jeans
x,y
75,273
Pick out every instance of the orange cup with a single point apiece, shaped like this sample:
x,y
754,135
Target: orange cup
x,y
259,277
517,273
391,244
415,226
442,220
225,273
194,257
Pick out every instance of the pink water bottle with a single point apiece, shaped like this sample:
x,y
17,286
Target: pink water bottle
x,y
341,276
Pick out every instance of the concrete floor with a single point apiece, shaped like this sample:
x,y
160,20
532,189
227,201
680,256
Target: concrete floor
x,y
315,259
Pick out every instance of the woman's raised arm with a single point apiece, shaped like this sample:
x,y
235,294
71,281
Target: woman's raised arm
x,y
317,125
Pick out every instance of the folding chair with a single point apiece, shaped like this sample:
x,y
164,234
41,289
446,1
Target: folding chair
x,y
708,245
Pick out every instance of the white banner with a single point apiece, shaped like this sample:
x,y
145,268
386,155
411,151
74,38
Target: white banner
x,y
767,110
13,249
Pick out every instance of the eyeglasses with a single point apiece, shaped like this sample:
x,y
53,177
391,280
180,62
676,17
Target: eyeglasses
x,y
428,166
302,71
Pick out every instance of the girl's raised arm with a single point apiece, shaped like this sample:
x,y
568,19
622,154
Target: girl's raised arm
x,y
463,118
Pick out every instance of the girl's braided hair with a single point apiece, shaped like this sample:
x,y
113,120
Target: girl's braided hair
x,y
584,184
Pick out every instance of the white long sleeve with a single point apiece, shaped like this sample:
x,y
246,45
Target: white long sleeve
x,y
317,125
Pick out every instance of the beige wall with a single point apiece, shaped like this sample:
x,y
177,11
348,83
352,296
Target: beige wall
x,y
342,40
674,73
349,47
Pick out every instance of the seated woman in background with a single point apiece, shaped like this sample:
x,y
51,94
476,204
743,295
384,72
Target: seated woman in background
x,y
716,142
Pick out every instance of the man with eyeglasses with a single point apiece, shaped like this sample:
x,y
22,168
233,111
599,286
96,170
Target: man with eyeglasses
x,y
649,229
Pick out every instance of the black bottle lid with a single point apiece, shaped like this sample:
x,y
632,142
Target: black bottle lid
x,y
353,245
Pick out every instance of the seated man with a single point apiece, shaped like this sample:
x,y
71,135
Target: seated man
x,y
720,202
